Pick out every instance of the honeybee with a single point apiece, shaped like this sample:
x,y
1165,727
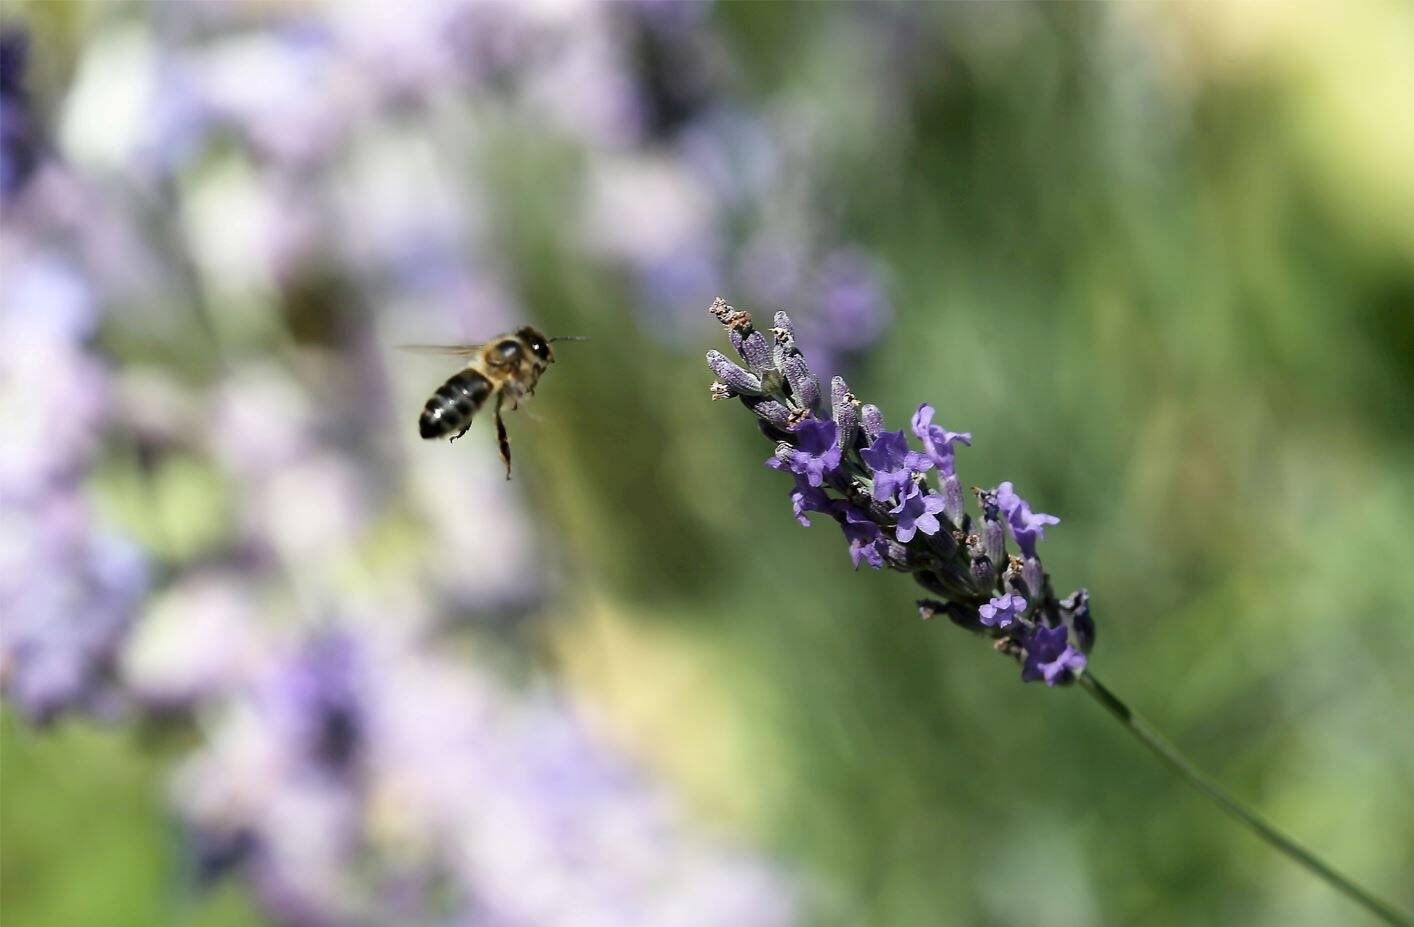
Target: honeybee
x,y
508,367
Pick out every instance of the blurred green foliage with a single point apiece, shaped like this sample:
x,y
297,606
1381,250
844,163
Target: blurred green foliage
x,y
1121,258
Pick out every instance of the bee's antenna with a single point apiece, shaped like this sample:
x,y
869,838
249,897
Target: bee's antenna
x,y
569,338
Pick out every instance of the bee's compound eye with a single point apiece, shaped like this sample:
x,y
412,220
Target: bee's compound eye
x,y
539,348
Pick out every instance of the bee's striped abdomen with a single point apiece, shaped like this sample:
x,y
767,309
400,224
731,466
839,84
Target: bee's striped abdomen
x,y
451,408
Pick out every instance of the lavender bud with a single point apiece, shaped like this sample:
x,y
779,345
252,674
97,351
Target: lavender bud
x,y
756,352
738,381
953,505
1034,577
964,616
804,385
783,342
770,411
980,566
993,531
873,421
1012,581
846,412
1076,609
784,324
896,557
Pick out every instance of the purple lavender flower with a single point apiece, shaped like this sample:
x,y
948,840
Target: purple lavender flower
x,y
319,698
964,560
853,306
806,498
866,541
1026,527
894,464
1003,610
19,135
814,455
69,597
1050,657
937,440
917,511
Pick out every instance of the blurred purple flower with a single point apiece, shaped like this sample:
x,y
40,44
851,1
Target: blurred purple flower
x,y
68,596
853,308
487,805
20,141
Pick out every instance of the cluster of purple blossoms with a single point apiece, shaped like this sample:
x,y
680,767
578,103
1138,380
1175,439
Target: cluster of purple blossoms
x,y
877,488
358,779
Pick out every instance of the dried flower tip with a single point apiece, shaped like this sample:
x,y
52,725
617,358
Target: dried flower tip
x,y
737,380
981,569
928,609
720,309
804,385
798,415
872,420
719,391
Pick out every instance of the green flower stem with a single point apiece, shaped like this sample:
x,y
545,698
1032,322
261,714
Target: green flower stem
x,y
1169,754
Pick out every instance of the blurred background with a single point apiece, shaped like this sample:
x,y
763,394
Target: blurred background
x,y
268,658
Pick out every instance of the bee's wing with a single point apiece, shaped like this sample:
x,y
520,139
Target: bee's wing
x,y
446,350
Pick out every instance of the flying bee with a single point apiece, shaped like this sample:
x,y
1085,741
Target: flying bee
x,y
507,367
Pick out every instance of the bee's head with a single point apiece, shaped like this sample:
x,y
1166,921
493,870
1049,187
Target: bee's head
x,y
537,343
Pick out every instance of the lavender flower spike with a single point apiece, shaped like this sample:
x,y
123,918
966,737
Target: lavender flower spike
x,y
979,587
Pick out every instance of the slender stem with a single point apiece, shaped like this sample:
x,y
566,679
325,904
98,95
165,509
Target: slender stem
x,y
1169,754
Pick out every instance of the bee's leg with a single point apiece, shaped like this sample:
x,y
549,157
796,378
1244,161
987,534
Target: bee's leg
x,y
459,434
503,440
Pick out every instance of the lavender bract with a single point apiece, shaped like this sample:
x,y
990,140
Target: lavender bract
x,y
877,488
